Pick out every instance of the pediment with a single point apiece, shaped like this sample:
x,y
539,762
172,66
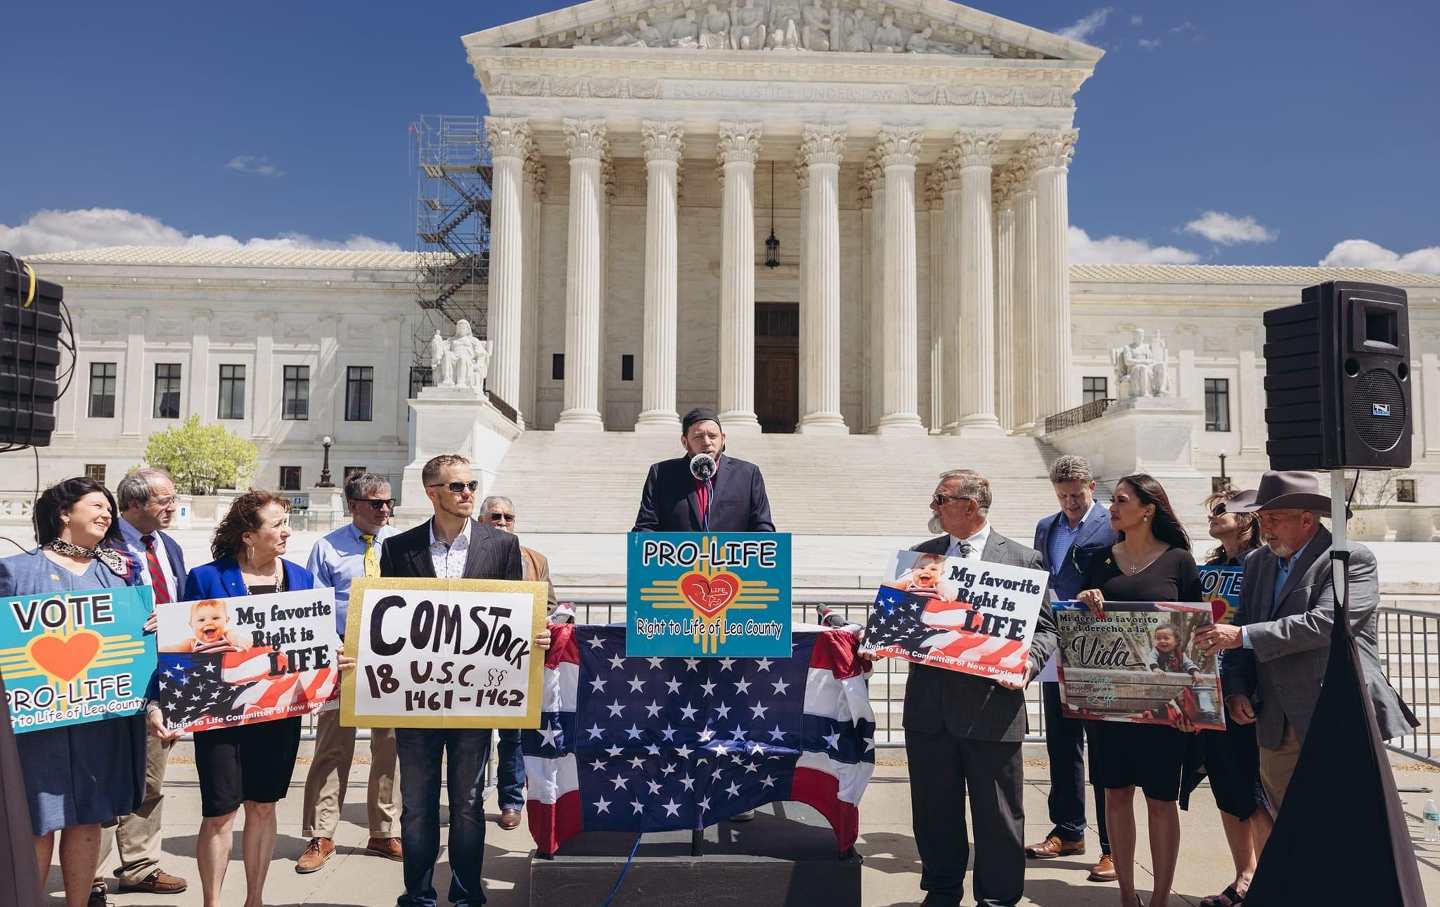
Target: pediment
x,y
929,28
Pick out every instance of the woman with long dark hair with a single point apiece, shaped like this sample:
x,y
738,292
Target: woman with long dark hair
x,y
1232,757
249,765
1151,562
80,776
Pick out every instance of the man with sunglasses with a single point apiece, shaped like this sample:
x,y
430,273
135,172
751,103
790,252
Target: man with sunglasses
x,y
348,553
499,512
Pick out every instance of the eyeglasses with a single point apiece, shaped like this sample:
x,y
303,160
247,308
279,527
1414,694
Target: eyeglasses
x,y
163,503
375,503
940,498
502,517
457,487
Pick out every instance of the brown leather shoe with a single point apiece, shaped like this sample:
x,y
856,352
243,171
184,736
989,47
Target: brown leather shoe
x,y
388,848
1054,846
157,882
509,819
317,852
1104,871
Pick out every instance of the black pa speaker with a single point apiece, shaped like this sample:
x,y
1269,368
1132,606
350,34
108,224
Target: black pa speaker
x,y
30,328
1337,379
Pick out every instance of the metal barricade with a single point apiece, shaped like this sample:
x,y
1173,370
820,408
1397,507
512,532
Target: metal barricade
x,y
1408,641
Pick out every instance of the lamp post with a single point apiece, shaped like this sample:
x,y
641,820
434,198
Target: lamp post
x,y
325,482
1224,479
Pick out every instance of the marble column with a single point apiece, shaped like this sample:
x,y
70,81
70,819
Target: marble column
x,y
509,145
1005,343
899,149
664,145
1027,364
953,241
938,331
738,148
805,284
874,178
1049,155
132,384
530,296
975,343
822,146
586,142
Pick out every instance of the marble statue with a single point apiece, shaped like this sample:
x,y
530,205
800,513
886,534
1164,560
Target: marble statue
x,y
815,27
1135,368
1159,370
888,38
856,40
785,25
685,32
462,361
747,26
919,42
715,29
439,350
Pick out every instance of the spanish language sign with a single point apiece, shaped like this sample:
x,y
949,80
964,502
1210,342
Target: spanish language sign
x,y
1138,665
708,594
441,653
1221,586
965,615
73,657
226,662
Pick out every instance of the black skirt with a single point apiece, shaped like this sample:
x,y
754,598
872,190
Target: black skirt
x,y
1148,756
251,762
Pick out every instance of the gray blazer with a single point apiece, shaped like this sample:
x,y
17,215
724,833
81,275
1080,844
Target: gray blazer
x,y
976,707
1291,640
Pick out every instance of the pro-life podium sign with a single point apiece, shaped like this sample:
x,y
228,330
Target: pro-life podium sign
x,y
708,594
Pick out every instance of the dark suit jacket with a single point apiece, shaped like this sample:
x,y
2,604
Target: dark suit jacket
x,y
492,554
172,551
1291,638
937,699
223,579
1095,536
738,502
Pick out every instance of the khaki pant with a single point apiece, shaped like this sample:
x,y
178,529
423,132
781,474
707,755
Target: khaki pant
x,y
330,774
1277,766
137,835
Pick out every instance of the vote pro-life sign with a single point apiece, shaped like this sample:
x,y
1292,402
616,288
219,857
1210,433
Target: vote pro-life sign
x,y
708,594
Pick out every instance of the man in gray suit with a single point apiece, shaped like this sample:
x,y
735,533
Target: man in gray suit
x,y
1276,652
963,733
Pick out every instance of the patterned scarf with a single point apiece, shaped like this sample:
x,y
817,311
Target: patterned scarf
x,y
113,560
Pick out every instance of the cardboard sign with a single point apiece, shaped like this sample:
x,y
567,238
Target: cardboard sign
x,y
1221,587
226,662
708,595
443,653
1138,665
75,657
961,614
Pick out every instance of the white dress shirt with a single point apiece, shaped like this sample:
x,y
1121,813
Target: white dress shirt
x,y
136,549
450,560
976,543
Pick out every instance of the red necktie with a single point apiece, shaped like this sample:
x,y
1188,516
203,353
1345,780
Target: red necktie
x,y
702,499
157,576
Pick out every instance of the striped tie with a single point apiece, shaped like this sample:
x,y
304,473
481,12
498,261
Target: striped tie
x,y
372,555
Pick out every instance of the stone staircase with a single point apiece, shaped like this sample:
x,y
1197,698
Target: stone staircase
x,y
845,485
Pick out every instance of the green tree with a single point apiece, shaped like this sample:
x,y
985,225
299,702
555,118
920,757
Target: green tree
x,y
202,458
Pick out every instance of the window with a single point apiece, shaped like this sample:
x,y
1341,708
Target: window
x,y
421,376
167,390
1217,404
232,392
353,471
289,478
295,404
359,393
96,472
627,367
1405,491
557,366
1093,389
102,390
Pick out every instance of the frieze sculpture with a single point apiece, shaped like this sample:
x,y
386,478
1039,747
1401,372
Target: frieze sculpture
x,y
461,361
784,25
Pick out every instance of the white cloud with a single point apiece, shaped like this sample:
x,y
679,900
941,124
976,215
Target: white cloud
x,y
1362,253
1228,230
1123,250
1137,20
1087,25
1148,43
91,228
1183,27
249,163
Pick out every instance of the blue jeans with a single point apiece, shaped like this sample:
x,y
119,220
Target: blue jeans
x,y
510,770
1065,743
464,753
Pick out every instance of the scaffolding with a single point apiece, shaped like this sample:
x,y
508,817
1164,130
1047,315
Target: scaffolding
x,y
452,228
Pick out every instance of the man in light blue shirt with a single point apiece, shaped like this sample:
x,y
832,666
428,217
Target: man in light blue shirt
x,y
348,553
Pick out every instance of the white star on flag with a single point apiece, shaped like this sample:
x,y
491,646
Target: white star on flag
x,y
602,805
654,662
727,664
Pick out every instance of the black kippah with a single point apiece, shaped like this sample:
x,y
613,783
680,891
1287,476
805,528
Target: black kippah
x,y
698,414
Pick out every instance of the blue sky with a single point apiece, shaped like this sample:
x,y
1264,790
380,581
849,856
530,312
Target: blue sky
x,y
1226,132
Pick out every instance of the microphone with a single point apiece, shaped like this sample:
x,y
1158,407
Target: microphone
x,y
702,466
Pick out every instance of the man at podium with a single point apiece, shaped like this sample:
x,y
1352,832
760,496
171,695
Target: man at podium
x,y
706,490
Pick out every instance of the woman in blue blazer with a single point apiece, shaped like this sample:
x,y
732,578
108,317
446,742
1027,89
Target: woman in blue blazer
x,y
248,765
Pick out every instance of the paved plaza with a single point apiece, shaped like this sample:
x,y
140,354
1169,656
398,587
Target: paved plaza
x,y
891,874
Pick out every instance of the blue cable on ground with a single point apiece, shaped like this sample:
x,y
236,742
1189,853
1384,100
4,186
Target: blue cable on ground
x,y
624,869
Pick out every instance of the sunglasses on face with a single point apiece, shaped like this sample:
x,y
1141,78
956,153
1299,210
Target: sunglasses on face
x,y
375,503
502,517
940,498
457,487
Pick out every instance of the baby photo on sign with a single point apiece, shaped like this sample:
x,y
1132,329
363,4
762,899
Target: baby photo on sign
x,y
1139,664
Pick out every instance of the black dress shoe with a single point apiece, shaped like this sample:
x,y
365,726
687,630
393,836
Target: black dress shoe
x,y
97,896
940,900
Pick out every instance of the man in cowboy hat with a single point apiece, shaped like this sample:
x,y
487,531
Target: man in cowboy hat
x,y
1276,651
